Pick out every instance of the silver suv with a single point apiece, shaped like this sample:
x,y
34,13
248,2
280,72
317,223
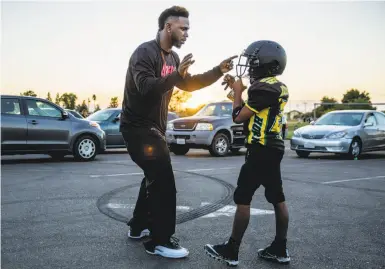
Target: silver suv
x,y
210,128
31,125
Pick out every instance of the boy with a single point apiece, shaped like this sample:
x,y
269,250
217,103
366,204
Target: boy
x,y
262,118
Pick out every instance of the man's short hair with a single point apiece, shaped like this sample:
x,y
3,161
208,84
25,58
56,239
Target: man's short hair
x,y
174,11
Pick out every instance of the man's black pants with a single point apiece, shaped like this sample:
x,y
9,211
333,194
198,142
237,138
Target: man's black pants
x,y
156,204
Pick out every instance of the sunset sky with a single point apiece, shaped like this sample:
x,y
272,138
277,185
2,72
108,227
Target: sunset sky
x,y
84,47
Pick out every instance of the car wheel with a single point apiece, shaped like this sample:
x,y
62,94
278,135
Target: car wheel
x,y
85,148
179,150
220,145
355,148
302,154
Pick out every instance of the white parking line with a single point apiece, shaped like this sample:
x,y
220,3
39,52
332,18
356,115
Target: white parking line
x,y
117,175
353,179
190,170
132,206
227,210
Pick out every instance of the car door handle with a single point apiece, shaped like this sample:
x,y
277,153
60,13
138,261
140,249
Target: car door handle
x,y
34,122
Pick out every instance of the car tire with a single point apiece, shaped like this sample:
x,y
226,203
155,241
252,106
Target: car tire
x,y
85,148
355,148
220,145
179,150
302,154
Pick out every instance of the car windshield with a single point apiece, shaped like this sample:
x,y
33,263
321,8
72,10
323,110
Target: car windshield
x,y
219,110
346,119
101,115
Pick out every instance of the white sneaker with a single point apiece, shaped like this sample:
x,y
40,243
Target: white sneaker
x,y
171,249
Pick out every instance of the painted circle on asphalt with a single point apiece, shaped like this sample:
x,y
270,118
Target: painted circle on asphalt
x,y
109,203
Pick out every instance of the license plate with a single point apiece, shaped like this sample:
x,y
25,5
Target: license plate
x,y
181,141
309,145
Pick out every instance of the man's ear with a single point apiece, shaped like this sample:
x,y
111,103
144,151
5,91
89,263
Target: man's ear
x,y
168,27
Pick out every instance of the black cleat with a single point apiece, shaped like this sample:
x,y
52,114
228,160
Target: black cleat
x,y
224,252
276,253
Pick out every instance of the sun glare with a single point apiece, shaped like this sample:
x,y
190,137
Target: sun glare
x,y
193,102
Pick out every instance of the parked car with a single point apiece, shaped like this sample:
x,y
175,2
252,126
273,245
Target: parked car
x,y
211,128
349,132
108,119
31,125
75,113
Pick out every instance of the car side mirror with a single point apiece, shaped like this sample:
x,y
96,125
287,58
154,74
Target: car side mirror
x,y
117,118
64,114
312,122
368,124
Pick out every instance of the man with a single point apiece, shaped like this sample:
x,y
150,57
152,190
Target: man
x,y
154,69
261,115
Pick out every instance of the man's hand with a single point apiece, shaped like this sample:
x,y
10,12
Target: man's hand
x,y
185,64
227,64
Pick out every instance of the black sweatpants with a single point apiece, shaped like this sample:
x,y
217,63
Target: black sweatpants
x,y
156,204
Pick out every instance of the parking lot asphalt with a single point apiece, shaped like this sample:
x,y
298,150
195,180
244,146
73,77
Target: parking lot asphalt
x,y
66,214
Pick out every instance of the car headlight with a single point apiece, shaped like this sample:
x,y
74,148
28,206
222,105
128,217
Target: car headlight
x,y
296,134
170,126
336,135
204,127
94,124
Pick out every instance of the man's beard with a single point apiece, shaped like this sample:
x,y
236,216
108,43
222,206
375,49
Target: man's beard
x,y
175,41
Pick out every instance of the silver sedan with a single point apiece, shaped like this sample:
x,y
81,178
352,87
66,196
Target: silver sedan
x,y
349,132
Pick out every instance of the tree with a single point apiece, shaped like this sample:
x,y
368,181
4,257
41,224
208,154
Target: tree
x,y
97,108
57,99
351,96
178,97
83,108
326,99
49,97
319,111
114,102
29,93
69,100
94,98
355,96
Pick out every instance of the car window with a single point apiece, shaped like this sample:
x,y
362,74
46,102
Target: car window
x,y
101,115
75,114
42,109
10,106
220,110
371,119
380,119
343,118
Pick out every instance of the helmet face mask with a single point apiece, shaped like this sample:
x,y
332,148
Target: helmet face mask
x,y
246,64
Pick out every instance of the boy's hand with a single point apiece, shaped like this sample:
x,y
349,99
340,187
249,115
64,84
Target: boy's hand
x,y
238,86
228,80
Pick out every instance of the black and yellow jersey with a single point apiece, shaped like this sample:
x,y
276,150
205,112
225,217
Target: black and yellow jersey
x,y
267,98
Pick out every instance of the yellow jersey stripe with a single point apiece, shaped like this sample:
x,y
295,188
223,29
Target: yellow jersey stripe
x,y
252,109
264,114
251,123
